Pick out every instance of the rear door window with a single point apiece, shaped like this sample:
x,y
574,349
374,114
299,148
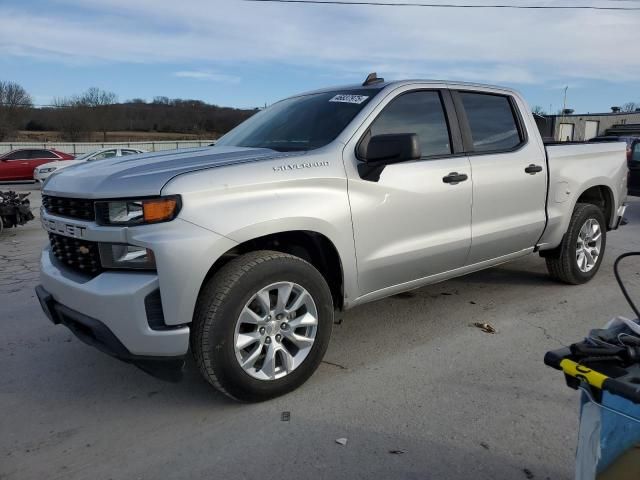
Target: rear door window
x,y
418,112
492,121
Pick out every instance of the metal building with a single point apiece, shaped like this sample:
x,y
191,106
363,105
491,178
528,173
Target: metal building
x,y
581,127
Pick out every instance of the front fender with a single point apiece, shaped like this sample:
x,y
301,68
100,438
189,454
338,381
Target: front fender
x,y
224,201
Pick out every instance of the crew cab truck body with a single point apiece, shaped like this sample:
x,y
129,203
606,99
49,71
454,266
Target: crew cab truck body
x,y
242,252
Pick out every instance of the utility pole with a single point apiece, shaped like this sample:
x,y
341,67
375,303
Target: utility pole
x,y
564,108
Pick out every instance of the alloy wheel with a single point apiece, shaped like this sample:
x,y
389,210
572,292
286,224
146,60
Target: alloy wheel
x,y
275,331
589,245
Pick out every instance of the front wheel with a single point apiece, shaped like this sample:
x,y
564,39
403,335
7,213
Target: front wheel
x,y
580,254
262,325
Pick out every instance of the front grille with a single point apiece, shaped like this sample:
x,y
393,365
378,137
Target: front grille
x,y
79,255
79,208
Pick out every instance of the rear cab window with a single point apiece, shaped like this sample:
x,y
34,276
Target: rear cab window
x,y
493,123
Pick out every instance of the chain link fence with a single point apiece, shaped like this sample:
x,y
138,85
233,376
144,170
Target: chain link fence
x,y
85,147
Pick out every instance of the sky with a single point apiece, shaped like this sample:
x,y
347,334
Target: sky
x,y
246,54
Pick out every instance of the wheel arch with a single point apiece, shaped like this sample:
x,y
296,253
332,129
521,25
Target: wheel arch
x,y
602,197
312,246
596,192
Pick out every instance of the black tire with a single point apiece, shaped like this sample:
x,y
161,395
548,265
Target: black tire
x,y
561,263
219,304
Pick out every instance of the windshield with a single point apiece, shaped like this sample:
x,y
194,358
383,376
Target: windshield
x,y
300,123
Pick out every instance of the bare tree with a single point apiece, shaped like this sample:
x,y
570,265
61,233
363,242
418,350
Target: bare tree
x,y
14,103
538,110
161,100
94,97
100,103
14,96
630,107
72,118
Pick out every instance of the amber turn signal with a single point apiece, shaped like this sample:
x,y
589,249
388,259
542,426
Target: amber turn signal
x,y
159,209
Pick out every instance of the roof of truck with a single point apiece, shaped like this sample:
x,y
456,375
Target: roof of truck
x,y
399,83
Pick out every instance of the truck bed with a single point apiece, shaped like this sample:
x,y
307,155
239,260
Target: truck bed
x,y
572,169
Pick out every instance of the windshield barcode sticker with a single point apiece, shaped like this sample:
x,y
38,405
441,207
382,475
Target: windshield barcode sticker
x,y
344,98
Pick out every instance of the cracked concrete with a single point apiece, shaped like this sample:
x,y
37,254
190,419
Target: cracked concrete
x,y
403,374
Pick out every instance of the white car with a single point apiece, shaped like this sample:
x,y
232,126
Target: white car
x,y
41,173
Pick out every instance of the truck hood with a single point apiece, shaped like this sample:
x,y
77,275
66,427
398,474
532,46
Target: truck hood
x,y
145,174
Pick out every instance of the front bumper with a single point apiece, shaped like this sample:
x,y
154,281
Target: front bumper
x,y
41,177
95,333
116,300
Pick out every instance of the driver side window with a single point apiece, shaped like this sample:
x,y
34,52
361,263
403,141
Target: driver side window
x,y
103,155
421,113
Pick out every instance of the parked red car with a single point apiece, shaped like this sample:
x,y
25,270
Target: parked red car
x,y
19,164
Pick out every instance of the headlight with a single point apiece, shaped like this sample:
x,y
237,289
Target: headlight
x,y
46,170
117,255
137,212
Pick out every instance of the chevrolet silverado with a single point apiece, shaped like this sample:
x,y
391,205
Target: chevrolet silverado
x,y
242,253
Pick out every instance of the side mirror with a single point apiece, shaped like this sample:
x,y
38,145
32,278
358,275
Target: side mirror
x,y
390,148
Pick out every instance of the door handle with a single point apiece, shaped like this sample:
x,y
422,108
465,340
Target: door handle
x,y
454,178
533,169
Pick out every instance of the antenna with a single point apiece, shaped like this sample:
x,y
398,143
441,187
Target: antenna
x,y
371,79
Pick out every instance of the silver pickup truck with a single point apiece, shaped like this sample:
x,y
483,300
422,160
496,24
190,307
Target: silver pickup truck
x,y
243,252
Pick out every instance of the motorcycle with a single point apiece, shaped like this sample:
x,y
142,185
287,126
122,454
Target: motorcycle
x,y
15,209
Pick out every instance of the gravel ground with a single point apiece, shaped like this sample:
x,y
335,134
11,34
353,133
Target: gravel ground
x,y
416,391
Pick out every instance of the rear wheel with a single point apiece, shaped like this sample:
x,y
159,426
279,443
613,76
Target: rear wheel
x,y
262,325
580,254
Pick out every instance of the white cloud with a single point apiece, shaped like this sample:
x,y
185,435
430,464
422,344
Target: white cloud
x,y
502,46
207,75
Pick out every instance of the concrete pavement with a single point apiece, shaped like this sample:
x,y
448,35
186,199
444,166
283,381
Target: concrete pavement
x,y
403,374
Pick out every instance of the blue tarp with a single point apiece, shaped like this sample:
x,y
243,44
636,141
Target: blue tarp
x,y
607,431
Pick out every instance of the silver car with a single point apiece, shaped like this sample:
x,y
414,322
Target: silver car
x,y
242,253
41,173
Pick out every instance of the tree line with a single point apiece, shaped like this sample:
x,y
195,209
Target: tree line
x,y
629,107
77,117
